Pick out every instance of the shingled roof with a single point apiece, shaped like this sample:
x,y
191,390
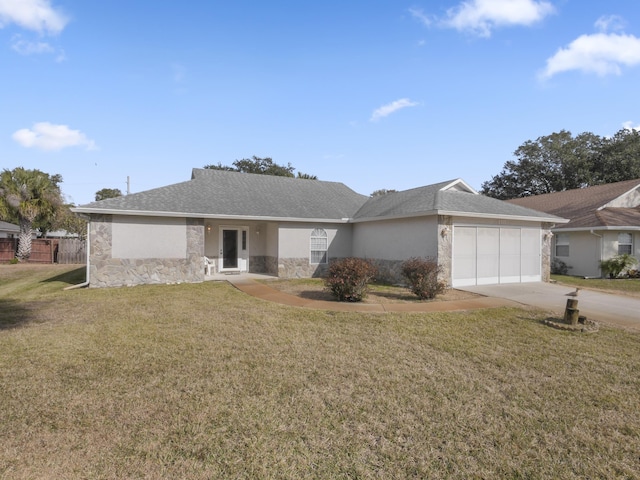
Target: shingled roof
x,y
223,194
590,207
9,227
217,193
453,197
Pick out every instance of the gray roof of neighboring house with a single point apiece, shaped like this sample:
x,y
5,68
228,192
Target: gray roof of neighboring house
x,y
586,207
218,193
9,227
444,198
213,193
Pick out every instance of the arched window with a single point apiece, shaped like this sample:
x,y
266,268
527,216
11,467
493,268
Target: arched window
x,y
319,245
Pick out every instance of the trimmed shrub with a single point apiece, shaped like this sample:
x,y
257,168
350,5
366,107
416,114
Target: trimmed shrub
x,y
422,274
558,267
348,278
614,266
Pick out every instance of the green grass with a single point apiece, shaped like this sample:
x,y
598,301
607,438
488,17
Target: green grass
x,y
201,381
627,286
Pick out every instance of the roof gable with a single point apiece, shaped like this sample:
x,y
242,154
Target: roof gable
x,y
453,197
582,205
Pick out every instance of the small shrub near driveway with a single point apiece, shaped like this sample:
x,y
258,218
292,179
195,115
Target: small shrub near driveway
x,y
348,278
422,274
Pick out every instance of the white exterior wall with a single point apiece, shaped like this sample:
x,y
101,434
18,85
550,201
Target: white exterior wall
x,y
585,252
587,249
148,237
398,240
272,241
294,240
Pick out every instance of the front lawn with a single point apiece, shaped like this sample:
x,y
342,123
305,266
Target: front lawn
x,y
624,286
202,381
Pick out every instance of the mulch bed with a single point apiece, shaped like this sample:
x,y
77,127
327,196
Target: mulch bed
x,y
377,293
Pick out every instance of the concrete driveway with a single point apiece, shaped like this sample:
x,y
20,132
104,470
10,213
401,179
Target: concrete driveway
x,y
617,310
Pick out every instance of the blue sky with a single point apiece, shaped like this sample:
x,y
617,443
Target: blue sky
x,y
374,94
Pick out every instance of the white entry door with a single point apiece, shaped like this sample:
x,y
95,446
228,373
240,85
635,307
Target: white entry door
x,y
234,249
485,255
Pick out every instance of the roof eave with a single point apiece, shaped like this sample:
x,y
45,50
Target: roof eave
x,y
464,214
152,213
634,228
500,216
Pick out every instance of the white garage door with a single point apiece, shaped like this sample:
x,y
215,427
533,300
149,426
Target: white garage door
x,y
489,255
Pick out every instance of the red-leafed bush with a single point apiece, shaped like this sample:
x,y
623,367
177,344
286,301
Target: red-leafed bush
x,y
348,278
422,274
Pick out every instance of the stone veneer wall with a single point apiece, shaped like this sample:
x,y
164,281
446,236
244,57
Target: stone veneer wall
x,y
389,271
546,251
105,271
299,268
445,247
265,264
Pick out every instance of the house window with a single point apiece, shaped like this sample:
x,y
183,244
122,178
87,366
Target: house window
x,y
319,246
244,239
562,245
625,243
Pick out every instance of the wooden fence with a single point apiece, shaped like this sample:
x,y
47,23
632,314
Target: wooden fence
x,y
71,250
47,250
8,249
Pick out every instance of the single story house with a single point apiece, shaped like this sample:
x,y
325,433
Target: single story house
x,y
291,227
8,230
604,222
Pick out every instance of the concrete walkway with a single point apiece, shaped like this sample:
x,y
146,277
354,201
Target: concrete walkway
x,y
265,292
618,310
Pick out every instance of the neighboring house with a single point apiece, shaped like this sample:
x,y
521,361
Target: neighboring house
x,y
60,234
291,227
604,222
8,230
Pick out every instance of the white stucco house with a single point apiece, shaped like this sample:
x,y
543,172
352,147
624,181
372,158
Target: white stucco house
x,y
604,222
290,227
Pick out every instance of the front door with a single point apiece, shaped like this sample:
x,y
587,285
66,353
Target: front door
x,y
229,249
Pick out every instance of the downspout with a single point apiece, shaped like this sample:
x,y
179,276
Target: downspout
x,y
88,251
600,253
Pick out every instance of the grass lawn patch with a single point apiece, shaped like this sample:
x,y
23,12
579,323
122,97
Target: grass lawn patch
x,y
623,286
202,381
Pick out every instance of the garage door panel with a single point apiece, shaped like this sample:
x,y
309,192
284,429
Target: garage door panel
x,y
509,255
490,255
531,256
464,252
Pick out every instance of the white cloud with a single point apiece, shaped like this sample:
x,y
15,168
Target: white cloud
x,y
599,53
630,126
420,15
608,23
389,108
26,47
36,15
482,16
50,137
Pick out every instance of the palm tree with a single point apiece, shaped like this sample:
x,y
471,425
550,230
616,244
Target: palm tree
x,y
28,196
